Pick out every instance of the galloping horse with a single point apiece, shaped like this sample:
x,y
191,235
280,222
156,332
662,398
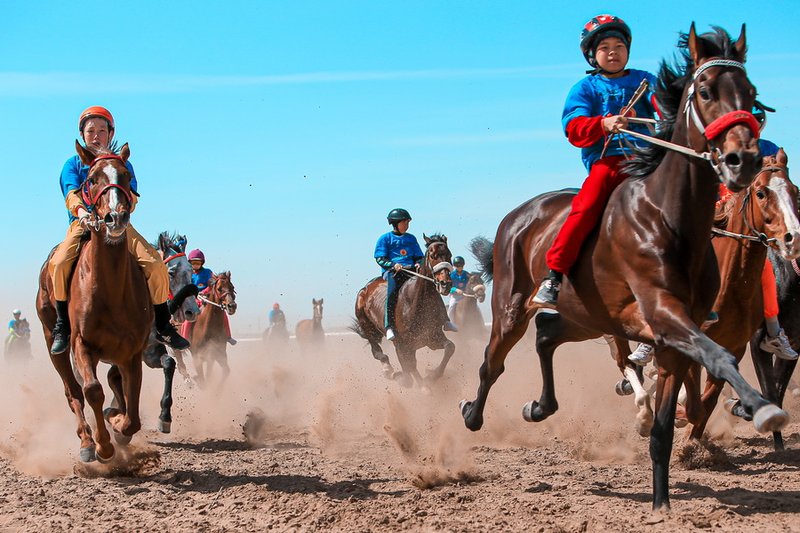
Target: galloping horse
x,y
420,314
648,272
17,346
466,314
309,332
209,338
109,308
182,306
763,215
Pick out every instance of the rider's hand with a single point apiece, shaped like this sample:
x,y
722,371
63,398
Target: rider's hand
x,y
397,267
417,266
459,292
83,217
613,123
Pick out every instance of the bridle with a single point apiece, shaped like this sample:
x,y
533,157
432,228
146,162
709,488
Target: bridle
x,y
434,269
90,201
220,295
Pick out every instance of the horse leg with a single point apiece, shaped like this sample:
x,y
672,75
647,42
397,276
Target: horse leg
x,y
408,363
165,418
783,371
449,350
93,392
222,360
378,354
75,400
667,390
127,422
507,330
182,370
549,332
631,383
198,361
115,384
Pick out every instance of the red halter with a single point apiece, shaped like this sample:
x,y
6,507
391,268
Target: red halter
x,y
86,192
727,120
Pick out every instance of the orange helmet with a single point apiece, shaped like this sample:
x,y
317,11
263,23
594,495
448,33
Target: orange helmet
x,y
96,111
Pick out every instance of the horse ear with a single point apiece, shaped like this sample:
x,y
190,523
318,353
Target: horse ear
x,y
741,45
321,300
86,156
427,240
125,152
162,241
781,157
444,238
696,50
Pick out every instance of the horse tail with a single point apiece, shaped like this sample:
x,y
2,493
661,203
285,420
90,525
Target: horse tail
x,y
483,250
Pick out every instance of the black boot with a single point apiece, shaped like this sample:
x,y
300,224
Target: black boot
x,y
165,331
61,331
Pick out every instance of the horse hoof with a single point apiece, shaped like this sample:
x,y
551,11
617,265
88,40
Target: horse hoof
x,y
770,418
623,388
388,371
108,412
532,412
103,461
164,427
88,455
463,406
123,439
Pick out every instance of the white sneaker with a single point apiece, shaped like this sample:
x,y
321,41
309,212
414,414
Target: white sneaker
x,y
389,334
779,345
642,355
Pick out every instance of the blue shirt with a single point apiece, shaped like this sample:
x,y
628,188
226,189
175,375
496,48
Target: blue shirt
x,y
74,173
459,282
275,316
202,277
767,148
596,96
403,249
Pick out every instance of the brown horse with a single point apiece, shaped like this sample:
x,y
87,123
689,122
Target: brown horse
x,y
209,338
648,273
764,215
309,332
466,314
420,315
109,308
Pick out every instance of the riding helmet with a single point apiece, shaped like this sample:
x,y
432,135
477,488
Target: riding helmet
x,y
96,111
16,312
599,28
458,261
398,215
197,254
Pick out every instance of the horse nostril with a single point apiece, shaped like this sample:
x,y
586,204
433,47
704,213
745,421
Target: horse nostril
x,y
788,238
108,219
732,159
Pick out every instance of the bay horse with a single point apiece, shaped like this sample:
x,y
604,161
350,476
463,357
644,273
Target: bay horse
x,y
466,315
109,308
309,332
762,216
648,272
209,337
182,307
420,315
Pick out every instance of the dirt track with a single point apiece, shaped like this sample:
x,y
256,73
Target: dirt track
x,y
339,448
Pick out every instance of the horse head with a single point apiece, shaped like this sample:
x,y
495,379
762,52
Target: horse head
x,y
106,190
317,308
438,262
224,292
173,251
719,100
476,287
776,199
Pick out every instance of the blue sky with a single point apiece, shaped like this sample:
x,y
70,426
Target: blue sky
x,y
277,135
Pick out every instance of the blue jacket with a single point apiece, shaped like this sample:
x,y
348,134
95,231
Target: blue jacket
x,y
74,172
596,95
459,282
767,147
202,277
392,248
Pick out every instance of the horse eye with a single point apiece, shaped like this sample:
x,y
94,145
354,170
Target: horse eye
x,y
761,194
704,94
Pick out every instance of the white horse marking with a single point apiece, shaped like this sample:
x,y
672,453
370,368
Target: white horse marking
x,y
781,189
114,199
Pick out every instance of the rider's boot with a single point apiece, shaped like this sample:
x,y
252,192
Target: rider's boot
x,y
547,295
232,341
165,331
779,345
450,326
642,355
62,330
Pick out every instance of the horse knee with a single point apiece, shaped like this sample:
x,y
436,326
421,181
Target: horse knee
x,y
168,364
513,312
93,392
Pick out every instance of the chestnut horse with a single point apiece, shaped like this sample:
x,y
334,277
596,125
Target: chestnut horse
x,y
309,332
763,215
466,314
648,273
420,315
109,308
209,337
182,306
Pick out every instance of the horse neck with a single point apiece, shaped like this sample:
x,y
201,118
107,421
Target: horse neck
x,y
110,265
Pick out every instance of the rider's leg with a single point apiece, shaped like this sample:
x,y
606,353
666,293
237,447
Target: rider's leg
x,y
391,302
60,268
587,208
451,307
775,341
186,330
227,323
155,271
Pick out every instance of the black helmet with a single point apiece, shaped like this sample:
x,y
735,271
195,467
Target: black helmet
x,y
458,261
398,215
599,28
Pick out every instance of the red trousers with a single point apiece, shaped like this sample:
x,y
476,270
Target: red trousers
x,y
587,208
770,291
188,327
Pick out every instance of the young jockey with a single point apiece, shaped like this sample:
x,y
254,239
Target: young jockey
x,y
276,315
775,340
96,126
591,114
460,277
201,276
17,328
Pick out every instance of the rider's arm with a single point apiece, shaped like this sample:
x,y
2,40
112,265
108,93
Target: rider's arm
x,y
585,131
382,252
384,262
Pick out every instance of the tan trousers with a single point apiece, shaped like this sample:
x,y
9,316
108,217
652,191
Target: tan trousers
x,y
154,269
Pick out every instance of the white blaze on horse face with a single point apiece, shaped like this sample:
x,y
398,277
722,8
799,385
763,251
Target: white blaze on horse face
x,y
781,189
114,200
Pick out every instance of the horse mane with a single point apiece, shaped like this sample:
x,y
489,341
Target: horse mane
x,y
112,149
436,237
672,80
172,238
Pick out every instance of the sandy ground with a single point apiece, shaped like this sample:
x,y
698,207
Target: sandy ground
x,y
333,446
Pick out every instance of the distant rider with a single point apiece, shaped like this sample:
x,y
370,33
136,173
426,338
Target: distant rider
x,y
202,277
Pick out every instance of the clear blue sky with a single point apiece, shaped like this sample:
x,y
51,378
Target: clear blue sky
x,y
277,135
